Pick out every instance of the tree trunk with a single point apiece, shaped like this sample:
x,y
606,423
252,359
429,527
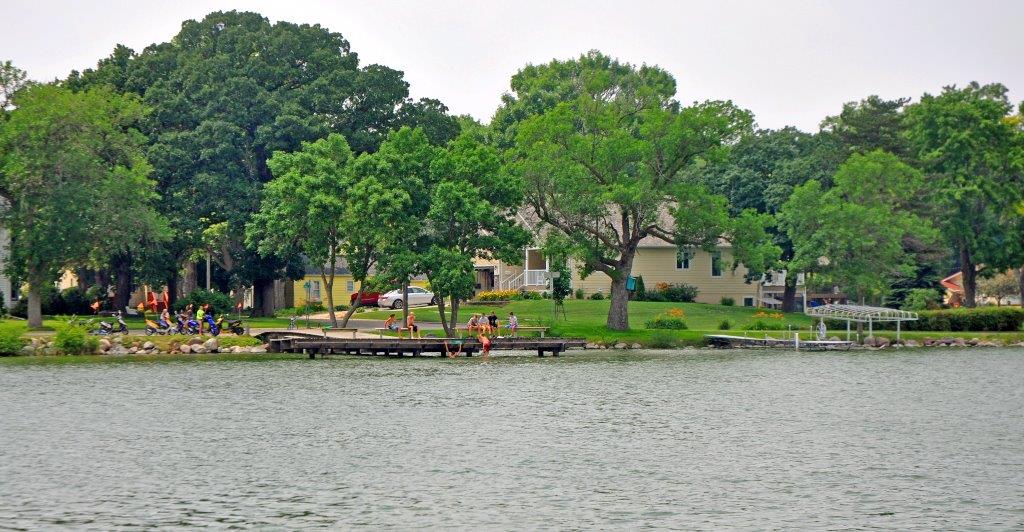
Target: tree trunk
x,y
405,304
329,285
35,311
618,312
172,289
444,319
454,321
1021,283
122,264
355,304
789,292
968,277
189,281
263,297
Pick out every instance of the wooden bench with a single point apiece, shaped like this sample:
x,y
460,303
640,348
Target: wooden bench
x,y
328,328
382,330
541,330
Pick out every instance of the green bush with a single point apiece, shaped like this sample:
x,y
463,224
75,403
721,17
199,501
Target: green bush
x,y
220,303
579,293
666,322
922,299
678,293
639,290
760,325
74,340
53,303
662,339
727,302
529,295
982,319
597,296
10,337
340,307
655,297
725,325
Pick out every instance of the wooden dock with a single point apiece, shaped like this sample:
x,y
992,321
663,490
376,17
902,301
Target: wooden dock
x,y
313,344
727,340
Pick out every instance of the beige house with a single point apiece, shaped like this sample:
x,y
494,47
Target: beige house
x,y
656,261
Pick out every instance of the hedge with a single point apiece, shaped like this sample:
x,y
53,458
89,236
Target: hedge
x,y
969,319
980,319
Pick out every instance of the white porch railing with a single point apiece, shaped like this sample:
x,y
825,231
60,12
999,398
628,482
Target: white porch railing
x,y
512,283
536,277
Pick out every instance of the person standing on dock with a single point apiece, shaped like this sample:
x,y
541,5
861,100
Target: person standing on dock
x,y
413,328
513,324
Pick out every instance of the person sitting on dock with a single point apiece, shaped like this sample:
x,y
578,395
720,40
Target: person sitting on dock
x,y
513,324
391,324
492,322
485,342
473,324
414,330
448,350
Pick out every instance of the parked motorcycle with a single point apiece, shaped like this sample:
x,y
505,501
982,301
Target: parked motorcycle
x,y
234,326
189,326
111,328
212,325
153,327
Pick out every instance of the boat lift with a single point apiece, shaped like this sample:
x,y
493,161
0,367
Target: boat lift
x,y
862,314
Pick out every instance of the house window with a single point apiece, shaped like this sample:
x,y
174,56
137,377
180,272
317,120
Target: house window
x,y
314,290
350,286
683,259
716,264
748,302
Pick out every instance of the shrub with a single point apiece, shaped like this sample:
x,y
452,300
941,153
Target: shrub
x,y
968,319
10,337
529,295
66,302
579,293
639,291
498,295
597,296
665,321
922,299
678,293
728,302
761,325
656,297
74,340
662,339
725,325
220,303
340,307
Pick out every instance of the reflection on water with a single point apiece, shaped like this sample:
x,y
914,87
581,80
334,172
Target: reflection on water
x,y
915,439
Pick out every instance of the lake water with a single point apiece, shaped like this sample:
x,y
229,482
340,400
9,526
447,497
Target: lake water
x,y
916,439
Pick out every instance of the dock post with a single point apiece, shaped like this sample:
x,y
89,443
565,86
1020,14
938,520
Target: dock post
x,y
312,354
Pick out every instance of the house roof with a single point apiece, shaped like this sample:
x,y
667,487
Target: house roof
x,y
529,219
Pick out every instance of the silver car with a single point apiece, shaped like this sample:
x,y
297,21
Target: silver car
x,y
417,296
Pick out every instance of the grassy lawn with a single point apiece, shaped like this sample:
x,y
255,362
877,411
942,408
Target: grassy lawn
x,y
137,324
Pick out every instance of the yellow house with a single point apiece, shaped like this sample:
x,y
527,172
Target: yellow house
x,y
344,286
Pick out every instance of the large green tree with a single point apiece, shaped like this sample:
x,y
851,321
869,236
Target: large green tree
x,y
855,234
970,147
63,157
305,209
603,159
231,89
472,215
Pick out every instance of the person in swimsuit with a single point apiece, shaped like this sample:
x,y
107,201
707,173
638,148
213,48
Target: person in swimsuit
x,y
448,350
411,325
485,342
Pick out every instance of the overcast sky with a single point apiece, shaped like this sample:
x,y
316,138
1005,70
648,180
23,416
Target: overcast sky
x,y
791,63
